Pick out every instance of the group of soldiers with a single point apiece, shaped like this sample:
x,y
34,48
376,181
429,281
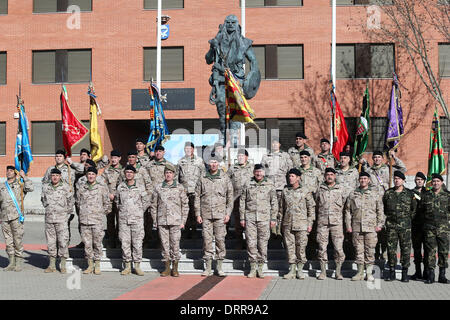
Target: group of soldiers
x,y
297,196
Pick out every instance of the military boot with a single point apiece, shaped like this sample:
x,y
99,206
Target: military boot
x,y
259,272
300,274
430,277
360,275
127,269
207,272
51,266
62,266
175,269
405,274
252,272
220,273
166,271
12,264
338,271
97,268
291,273
90,267
391,274
442,278
137,269
18,266
418,274
323,271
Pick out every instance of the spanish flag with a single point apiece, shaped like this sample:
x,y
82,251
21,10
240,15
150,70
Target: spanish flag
x,y
96,141
340,132
237,107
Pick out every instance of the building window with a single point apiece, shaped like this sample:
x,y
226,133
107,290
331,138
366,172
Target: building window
x,y
444,59
272,3
362,2
49,6
377,134
3,6
172,64
166,4
445,133
352,124
282,129
57,66
2,67
2,138
46,138
365,60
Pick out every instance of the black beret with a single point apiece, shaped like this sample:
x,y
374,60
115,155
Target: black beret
x,y
85,151
421,175
330,170
91,163
189,144
159,148
132,153
59,151
141,140
295,171
300,135
130,167
55,171
305,153
258,166
377,153
115,153
364,174
399,174
324,140
344,154
437,176
92,169
243,151
10,167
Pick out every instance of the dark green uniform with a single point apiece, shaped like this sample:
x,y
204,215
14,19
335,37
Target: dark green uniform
x,y
417,233
399,209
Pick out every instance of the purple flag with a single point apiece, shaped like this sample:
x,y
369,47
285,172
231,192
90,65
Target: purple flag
x,y
395,118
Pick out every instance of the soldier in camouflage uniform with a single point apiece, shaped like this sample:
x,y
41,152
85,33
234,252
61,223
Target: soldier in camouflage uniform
x,y
132,200
258,208
277,164
298,214
417,232
219,151
213,206
435,211
9,217
300,145
311,176
379,178
58,202
240,174
169,209
92,200
83,179
364,218
142,157
190,169
399,208
330,201
325,159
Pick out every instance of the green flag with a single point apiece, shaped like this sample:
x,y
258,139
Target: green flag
x,y
436,162
362,131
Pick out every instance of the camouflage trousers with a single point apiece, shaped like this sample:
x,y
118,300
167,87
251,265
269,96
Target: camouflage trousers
x,y
92,237
257,234
277,229
57,235
437,240
394,236
337,238
214,229
418,240
364,243
295,243
13,233
170,242
131,237
112,223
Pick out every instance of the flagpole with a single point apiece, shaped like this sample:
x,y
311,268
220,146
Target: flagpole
x,y
158,48
333,66
242,129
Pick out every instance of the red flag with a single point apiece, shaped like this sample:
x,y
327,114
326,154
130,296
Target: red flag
x,y
340,132
72,129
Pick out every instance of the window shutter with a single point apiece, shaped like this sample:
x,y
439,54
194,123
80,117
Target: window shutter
x,y
44,66
79,65
44,6
85,5
3,6
2,138
345,61
172,64
43,137
290,62
149,64
382,61
2,67
271,62
444,60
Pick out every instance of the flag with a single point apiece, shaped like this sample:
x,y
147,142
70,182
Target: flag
x,y
340,132
159,132
237,107
436,162
362,131
22,155
395,118
72,129
96,141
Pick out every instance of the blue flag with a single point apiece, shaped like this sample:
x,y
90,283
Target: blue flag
x,y
23,157
159,132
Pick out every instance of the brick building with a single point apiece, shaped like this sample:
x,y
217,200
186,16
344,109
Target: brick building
x,y
41,46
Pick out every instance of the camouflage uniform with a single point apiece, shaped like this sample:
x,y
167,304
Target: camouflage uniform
x,y
258,206
330,203
93,203
67,175
399,209
311,178
277,165
363,213
111,176
11,227
83,180
213,200
58,202
325,160
294,153
144,160
189,171
169,209
298,213
131,202
417,232
435,211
